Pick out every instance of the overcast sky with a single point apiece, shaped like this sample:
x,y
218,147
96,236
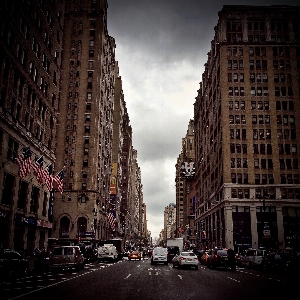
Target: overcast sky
x,y
162,47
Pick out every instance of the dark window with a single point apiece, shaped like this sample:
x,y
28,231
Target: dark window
x,y
8,189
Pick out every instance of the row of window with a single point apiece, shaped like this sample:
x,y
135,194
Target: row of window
x,y
263,148
260,105
23,198
260,64
242,178
239,163
262,119
262,51
260,26
288,163
265,193
259,77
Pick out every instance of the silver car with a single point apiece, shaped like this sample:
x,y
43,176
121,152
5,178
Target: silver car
x,y
185,259
159,255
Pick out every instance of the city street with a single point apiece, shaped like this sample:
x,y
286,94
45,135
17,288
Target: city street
x,y
140,280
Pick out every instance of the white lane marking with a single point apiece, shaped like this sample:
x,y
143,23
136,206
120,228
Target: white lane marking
x,y
127,276
180,277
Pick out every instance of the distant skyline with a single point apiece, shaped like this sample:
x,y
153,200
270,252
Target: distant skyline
x,y
161,48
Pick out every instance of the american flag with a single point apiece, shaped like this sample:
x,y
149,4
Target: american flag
x,y
24,162
37,167
58,179
48,177
111,219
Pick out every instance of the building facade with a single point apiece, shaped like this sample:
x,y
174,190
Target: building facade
x,y
185,188
65,136
247,131
31,39
170,221
84,134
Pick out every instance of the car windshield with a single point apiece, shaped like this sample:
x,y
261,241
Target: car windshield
x,y
63,251
222,252
160,251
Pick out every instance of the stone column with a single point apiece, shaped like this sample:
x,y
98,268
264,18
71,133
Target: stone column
x,y
254,227
280,227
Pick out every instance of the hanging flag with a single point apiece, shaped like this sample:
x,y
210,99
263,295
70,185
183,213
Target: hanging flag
x,y
111,220
37,167
58,179
24,162
48,171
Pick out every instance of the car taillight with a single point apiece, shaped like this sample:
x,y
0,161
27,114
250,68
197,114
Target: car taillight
x,y
182,258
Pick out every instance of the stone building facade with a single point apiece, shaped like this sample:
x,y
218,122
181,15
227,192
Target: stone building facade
x,y
31,39
247,131
84,134
185,189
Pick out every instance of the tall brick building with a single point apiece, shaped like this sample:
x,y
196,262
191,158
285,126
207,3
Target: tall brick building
x,y
30,57
247,129
59,84
185,187
84,135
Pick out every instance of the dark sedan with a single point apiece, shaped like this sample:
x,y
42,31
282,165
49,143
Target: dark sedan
x,y
221,258
12,264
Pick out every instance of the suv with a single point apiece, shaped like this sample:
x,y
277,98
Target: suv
x,y
65,257
253,258
159,255
221,258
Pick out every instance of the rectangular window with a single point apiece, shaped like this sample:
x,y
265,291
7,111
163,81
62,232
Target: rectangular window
x,y
8,189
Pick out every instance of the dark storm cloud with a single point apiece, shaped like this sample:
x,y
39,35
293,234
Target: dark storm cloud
x,y
162,47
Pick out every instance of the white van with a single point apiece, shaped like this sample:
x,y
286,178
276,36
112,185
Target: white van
x,y
107,252
159,255
253,258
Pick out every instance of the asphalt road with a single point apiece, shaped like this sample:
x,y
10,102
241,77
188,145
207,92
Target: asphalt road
x,y
139,280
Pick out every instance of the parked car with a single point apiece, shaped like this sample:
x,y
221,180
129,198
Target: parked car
x,y
253,258
12,264
66,257
186,259
203,258
221,258
134,254
172,251
159,255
